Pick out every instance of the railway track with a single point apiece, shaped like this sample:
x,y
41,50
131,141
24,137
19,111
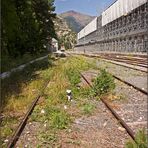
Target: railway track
x,y
115,114
126,82
126,66
131,61
125,55
119,62
113,111
22,124
128,129
128,62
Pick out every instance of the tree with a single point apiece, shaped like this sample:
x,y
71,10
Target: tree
x,y
27,26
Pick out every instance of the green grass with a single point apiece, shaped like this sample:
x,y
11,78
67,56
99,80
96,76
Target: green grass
x,y
18,91
47,138
88,108
7,63
59,119
28,84
104,83
73,76
141,140
21,87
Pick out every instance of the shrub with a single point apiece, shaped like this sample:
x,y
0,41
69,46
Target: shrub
x,y
104,83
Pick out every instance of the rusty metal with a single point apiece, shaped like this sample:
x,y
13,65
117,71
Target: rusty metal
x,y
103,58
22,124
128,62
128,129
132,61
128,66
137,88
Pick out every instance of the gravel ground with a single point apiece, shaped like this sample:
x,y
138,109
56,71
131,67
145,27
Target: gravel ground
x,y
134,77
100,129
132,107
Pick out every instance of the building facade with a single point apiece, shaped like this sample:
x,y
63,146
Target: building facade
x,y
123,32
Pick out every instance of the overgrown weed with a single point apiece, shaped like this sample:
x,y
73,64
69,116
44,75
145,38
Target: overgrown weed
x,y
88,108
104,83
55,94
141,140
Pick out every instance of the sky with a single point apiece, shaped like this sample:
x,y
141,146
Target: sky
x,y
90,7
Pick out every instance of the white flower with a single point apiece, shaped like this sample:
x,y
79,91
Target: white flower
x,y
65,107
68,91
6,140
42,111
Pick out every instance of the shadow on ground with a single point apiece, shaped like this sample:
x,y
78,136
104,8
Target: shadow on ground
x,y
13,84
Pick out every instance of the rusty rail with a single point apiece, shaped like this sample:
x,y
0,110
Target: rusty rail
x,y
137,88
22,124
103,58
128,129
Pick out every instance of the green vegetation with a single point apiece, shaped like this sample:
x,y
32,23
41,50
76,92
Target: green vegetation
x,y
10,62
55,117
73,76
104,83
88,108
47,138
8,130
141,140
59,119
13,88
21,88
18,91
66,37
27,27
68,40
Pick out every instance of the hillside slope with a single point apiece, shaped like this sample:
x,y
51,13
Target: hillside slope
x,y
66,36
75,20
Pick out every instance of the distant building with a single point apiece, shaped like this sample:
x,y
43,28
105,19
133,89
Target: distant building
x,y
122,27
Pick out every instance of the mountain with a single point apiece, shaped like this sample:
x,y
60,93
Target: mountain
x,y
75,20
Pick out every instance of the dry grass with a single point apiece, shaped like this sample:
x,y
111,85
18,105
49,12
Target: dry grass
x,y
54,95
18,91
